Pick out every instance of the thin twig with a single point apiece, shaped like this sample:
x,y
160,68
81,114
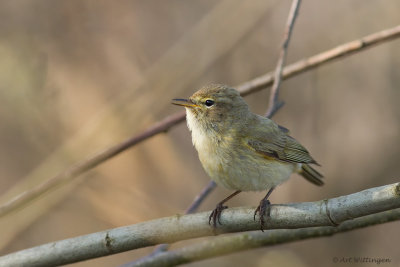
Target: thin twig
x,y
203,194
228,244
273,107
168,122
191,209
90,163
312,62
274,103
328,212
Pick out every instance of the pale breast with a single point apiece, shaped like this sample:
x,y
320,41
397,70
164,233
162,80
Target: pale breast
x,y
235,167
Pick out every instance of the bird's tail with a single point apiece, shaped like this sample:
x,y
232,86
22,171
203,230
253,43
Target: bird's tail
x,y
311,174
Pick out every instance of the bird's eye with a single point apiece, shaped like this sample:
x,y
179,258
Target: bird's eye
x,y
209,102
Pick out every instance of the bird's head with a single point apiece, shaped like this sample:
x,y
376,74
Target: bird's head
x,y
214,107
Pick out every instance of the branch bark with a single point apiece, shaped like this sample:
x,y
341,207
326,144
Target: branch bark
x,y
223,245
329,212
168,122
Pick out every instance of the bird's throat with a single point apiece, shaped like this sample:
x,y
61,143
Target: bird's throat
x,y
202,135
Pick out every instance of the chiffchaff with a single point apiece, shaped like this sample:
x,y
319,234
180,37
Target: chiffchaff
x,y
241,150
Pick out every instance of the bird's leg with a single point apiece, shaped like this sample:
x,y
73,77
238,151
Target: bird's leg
x,y
216,213
264,208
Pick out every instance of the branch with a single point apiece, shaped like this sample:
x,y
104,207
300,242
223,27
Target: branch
x,y
168,122
274,103
171,229
223,245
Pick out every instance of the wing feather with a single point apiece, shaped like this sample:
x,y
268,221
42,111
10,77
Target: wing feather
x,y
273,141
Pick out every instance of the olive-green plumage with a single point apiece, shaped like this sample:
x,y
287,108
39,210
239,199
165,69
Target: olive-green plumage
x,y
239,149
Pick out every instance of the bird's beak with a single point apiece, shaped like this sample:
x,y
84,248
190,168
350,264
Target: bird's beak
x,y
183,102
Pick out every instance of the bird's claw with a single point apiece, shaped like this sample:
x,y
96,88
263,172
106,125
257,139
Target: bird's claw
x,y
264,209
216,215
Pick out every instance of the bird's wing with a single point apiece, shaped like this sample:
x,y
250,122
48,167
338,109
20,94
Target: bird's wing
x,y
271,140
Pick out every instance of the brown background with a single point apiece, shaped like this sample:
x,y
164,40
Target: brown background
x,y
78,76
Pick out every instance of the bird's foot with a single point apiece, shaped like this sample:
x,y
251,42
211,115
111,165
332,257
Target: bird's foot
x,y
216,215
264,209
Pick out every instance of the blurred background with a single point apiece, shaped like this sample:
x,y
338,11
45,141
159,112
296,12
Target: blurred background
x,y
79,76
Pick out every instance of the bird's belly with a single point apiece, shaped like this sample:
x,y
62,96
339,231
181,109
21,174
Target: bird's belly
x,y
245,171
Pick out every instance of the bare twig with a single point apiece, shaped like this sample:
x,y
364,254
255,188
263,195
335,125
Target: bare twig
x,y
168,122
90,163
227,244
203,194
191,209
274,103
310,63
273,107
330,212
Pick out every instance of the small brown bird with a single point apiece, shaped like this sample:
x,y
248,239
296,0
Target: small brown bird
x,y
241,150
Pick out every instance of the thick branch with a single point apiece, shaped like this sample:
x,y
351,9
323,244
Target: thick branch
x,y
223,245
274,103
171,229
165,124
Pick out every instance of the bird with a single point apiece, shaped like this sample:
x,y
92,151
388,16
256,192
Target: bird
x,y
241,150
